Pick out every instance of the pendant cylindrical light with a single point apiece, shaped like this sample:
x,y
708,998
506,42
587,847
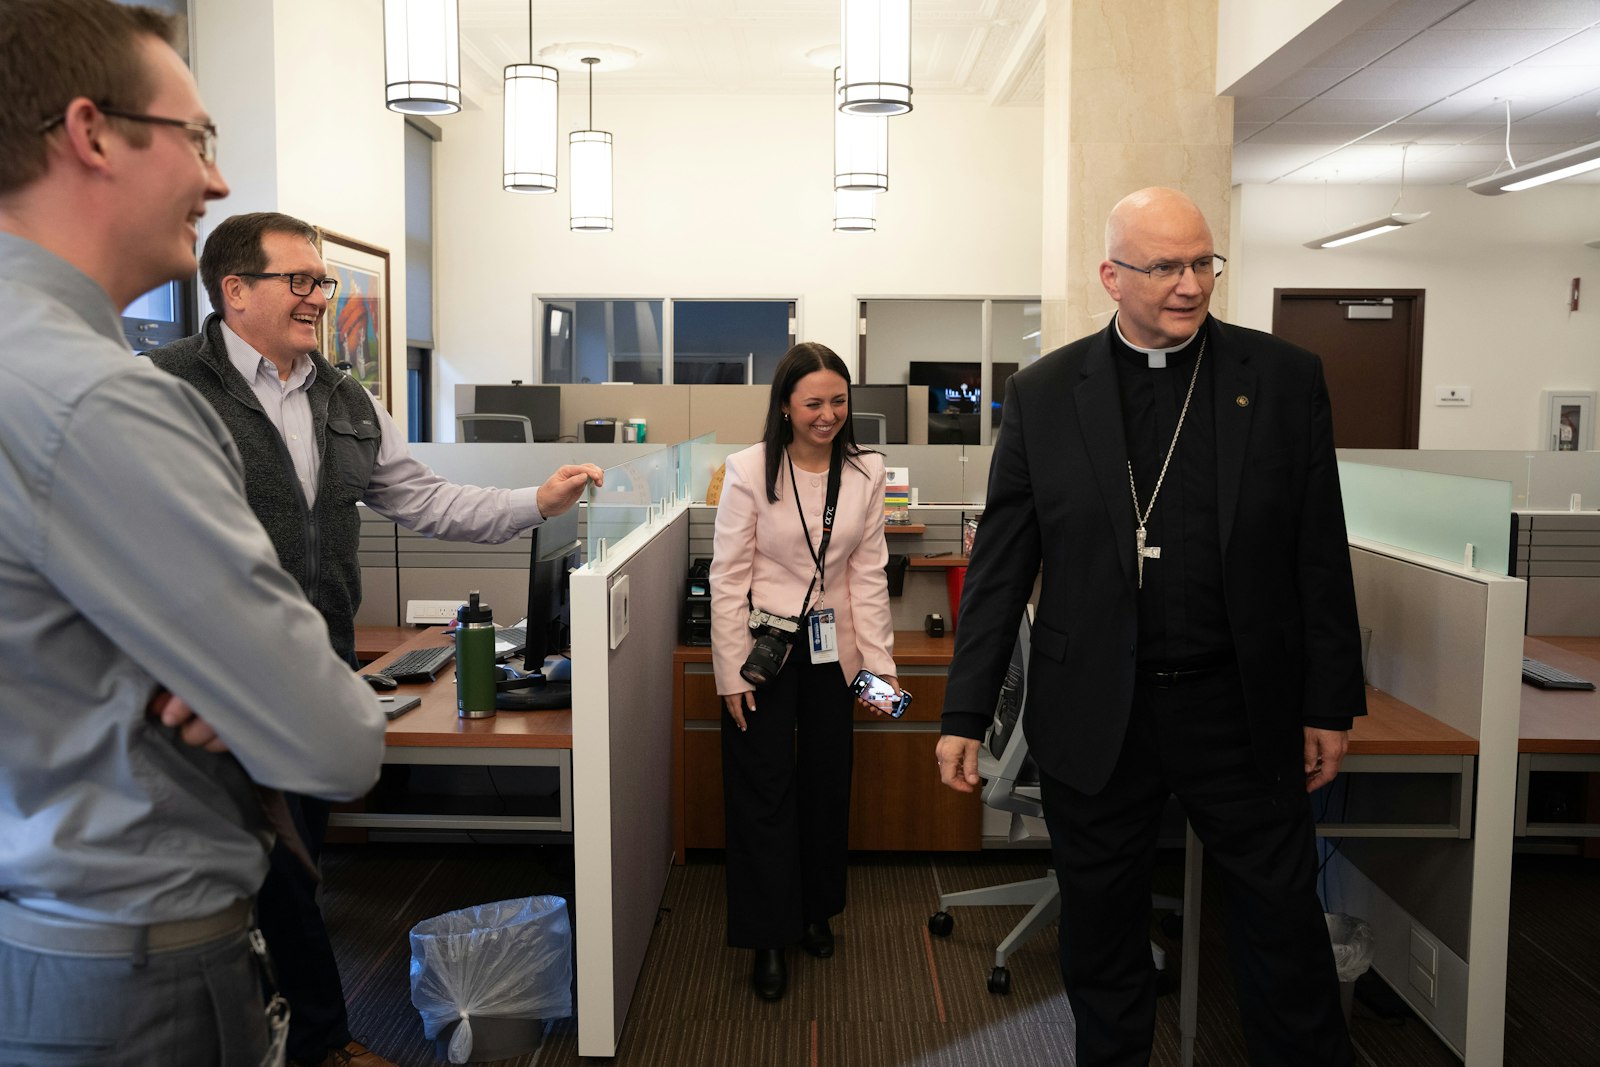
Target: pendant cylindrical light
x,y
422,56
860,148
854,211
591,170
530,119
875,39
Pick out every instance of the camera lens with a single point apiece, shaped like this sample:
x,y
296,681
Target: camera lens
x,y
765,660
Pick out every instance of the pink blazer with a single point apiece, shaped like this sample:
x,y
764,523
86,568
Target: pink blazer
x,y
760,550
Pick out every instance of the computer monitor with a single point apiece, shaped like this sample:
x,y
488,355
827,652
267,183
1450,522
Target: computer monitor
x,y
954,390
886,400
556,552
539,404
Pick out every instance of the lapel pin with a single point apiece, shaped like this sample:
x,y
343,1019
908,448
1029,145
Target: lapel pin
x,y
1242,400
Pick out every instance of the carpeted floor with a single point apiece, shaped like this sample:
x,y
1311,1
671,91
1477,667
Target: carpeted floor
x,y
894,995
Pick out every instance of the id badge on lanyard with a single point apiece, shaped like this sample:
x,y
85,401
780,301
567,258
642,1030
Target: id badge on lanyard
x,y
823,636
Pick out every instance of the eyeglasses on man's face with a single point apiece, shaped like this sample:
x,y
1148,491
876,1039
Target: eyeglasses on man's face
x,y
203,135
300,284
1166,271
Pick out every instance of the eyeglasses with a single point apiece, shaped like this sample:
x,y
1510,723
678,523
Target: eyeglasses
x,y
202,134
1204,267
300,284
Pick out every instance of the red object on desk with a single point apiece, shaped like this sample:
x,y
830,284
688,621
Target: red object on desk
x,y
954,577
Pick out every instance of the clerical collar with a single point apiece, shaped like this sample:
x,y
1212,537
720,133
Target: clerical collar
x,y
1155,358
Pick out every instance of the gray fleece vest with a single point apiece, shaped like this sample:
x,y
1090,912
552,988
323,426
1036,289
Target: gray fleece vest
x,y
315,544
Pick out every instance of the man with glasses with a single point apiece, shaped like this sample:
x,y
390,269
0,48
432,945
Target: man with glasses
x,y
1174,477
315,444
133,824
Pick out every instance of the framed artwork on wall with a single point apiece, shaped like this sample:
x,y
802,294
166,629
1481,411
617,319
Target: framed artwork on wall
x,y
355,328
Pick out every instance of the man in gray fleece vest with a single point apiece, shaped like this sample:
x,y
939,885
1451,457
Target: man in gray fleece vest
x,y
314,444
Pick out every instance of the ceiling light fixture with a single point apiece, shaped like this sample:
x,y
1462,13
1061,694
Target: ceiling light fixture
x,y
421,57
860,148
875,41
530,123
1384,224
1541,171
591,170
854,212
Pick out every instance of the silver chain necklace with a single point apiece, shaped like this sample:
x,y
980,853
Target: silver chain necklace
x,y
1152,551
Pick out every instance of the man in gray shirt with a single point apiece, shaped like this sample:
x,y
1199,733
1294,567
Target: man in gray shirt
x,y
132,569
314,445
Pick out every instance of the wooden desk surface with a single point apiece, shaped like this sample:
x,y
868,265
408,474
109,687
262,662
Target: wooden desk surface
x,y
375,641
436,725
912,648
1562,720
1392,727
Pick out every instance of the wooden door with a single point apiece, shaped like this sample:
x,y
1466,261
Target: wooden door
x,y
1370,341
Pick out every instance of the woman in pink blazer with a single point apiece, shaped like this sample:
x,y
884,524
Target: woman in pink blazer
x,y
786,743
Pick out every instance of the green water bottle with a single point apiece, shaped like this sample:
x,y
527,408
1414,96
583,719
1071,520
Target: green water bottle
x,y
475,670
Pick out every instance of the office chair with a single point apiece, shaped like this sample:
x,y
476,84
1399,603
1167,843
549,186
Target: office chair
x,y
870,427
474,428
1011,784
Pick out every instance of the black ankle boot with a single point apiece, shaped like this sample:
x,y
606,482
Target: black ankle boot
x,y
818,939
770,977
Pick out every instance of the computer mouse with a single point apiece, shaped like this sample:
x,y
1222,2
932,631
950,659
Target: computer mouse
x,y
380,681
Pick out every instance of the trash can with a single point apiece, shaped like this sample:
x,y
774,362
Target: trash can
x,y
1352,955
485,978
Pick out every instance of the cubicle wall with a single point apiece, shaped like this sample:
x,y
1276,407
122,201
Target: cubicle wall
x,y
675,413
622,764
1558,552
1447,640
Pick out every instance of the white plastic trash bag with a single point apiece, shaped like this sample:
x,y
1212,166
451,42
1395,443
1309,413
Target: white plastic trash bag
x,y
1352,945
511,959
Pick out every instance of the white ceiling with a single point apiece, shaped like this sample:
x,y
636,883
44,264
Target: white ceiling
x,y
1430,73
1434,74
991,48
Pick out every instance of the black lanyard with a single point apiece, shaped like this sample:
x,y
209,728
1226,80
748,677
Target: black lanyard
x,y
819,555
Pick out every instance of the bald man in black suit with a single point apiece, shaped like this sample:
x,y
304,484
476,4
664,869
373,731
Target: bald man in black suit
x,y
1174,476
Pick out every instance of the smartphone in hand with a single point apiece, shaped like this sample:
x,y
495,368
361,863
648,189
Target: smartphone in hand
x,y
875,690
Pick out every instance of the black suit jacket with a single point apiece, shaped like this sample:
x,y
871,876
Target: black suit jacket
x,y
1058,497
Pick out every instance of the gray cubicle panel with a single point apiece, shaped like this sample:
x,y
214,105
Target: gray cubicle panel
x,y
1558,552
375,555
1446,640
622,742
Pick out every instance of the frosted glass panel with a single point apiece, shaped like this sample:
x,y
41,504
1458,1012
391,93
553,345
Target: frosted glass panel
x,y
1435,514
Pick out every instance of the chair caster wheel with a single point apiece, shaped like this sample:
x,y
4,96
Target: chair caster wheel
x,y
1000,981
940,923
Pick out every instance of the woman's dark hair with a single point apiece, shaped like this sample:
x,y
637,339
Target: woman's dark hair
x,y
805,358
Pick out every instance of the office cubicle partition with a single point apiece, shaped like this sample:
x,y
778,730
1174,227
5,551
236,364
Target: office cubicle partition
x,y
1446,639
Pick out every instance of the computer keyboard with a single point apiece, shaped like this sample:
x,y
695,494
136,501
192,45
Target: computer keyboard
x,y
1547,677
419,666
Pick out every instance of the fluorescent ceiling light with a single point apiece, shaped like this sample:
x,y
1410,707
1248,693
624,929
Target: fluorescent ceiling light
x,y
1392,221
1549,169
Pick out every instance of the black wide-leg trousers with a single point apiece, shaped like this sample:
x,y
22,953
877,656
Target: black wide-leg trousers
x,y
786,802
1192,740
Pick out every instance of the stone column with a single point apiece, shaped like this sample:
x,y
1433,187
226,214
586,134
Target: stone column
x,y
1129,101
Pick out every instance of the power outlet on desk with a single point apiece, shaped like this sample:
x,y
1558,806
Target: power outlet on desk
x,y
432,612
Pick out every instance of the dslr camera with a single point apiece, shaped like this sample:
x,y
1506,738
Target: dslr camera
x,y
775,636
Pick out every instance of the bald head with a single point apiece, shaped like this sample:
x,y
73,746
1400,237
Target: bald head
x,y
1158,228
1155,210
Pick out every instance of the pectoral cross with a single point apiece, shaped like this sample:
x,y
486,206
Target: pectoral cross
x,y
1152,552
